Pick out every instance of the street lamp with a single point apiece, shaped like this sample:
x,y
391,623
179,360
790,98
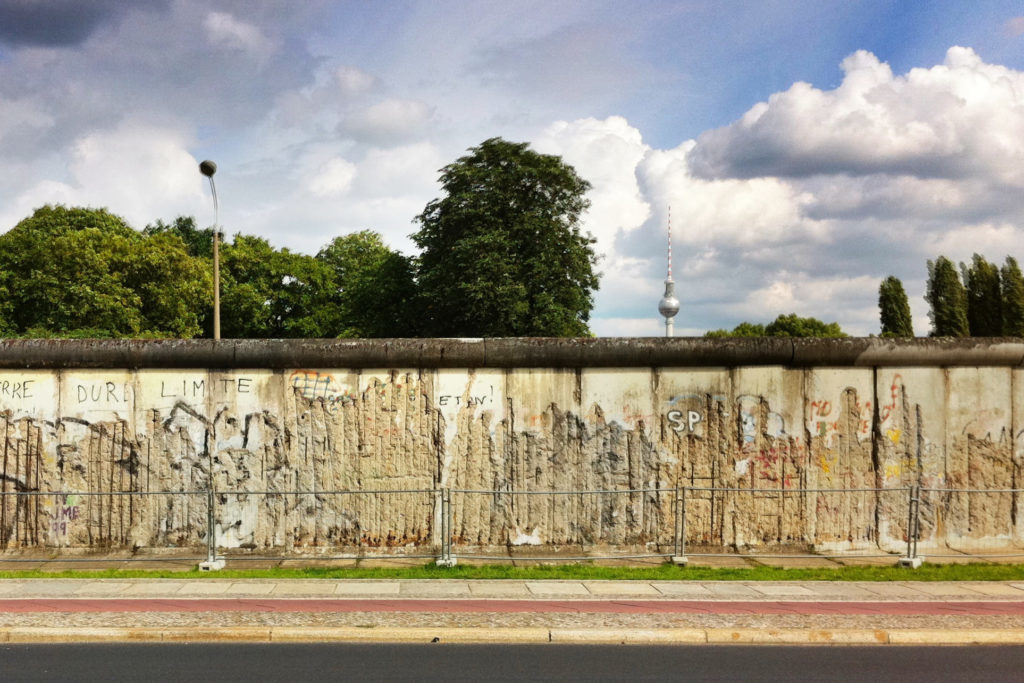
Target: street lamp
x,y
208,168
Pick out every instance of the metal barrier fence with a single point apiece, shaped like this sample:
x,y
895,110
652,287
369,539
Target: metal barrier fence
x,y
445,524
73,524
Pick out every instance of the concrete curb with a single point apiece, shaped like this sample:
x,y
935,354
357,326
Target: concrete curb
x,y
664,636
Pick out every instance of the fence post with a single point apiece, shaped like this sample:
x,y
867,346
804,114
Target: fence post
x,y
212,563
679,556
912,559
446,559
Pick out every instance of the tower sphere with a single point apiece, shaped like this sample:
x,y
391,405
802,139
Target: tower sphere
x,y
669,304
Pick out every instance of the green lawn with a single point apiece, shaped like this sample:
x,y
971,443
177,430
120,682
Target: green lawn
x,y
582,571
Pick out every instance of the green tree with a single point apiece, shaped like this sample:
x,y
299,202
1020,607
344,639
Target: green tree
x,y
268,293
502,253
175,289
947,300
984,298
6,328
793,325
1012,295
76,271
373,287
744,329
790,325
199,242
894,309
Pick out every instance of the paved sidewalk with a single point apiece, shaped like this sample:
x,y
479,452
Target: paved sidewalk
x,y
511,611
461,589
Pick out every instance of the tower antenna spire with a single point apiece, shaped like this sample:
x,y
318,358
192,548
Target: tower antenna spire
x,y
669,304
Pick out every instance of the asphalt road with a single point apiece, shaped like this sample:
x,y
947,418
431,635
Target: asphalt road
x,y
357,662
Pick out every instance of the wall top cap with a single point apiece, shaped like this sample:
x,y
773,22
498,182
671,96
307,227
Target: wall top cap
x,y
518,352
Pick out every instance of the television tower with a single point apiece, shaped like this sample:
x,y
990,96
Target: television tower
x,y
669,304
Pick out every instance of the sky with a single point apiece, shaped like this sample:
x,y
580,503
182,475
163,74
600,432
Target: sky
x,y
802,150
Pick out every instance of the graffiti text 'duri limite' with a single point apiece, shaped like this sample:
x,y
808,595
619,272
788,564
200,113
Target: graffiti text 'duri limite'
x,y
107,392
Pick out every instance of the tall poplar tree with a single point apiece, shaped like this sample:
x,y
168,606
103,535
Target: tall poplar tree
x,y
1012,294
894,309
947,300
984,299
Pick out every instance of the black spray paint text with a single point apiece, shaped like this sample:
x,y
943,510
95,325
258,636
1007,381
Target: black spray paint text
x,y
20,390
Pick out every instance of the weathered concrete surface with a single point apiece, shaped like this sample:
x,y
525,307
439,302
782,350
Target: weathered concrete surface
x,y
777,441
279,354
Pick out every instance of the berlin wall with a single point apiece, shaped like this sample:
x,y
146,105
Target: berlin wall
x,y
638,416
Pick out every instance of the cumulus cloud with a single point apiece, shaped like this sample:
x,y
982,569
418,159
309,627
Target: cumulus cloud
x,y
963,118
807,201
606,153
137,171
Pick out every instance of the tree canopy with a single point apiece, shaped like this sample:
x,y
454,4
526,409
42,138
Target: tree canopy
x,y
894,309
78,272
1011,285
373,287
790,325
984,300
502,253
947,299
85,272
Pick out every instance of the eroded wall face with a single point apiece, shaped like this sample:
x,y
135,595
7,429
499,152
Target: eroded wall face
x,y
314,458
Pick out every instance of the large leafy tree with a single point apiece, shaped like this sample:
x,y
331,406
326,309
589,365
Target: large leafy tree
x,y
270,293
85,272
198,241
947,300
791,325
502,252
373,287
1012,295
894,309
984,298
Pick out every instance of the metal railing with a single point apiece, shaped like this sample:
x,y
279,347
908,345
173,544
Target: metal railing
x,y
449,523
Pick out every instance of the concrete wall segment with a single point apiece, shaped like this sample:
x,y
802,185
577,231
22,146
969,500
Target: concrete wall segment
x,y
509,415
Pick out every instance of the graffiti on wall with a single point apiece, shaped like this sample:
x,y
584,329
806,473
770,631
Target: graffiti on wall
x,y
316,430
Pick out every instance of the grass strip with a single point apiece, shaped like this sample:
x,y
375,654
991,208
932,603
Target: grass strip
x,y
576,572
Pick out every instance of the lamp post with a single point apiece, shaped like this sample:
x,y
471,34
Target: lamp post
x,y
208,168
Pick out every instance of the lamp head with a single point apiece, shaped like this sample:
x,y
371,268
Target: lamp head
x,y
208,168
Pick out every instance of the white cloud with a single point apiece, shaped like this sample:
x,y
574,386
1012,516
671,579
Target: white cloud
x,y
400,171
959,119
333,178
386,122
960,242
224,30
606,153
137,171
731,211
353,80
